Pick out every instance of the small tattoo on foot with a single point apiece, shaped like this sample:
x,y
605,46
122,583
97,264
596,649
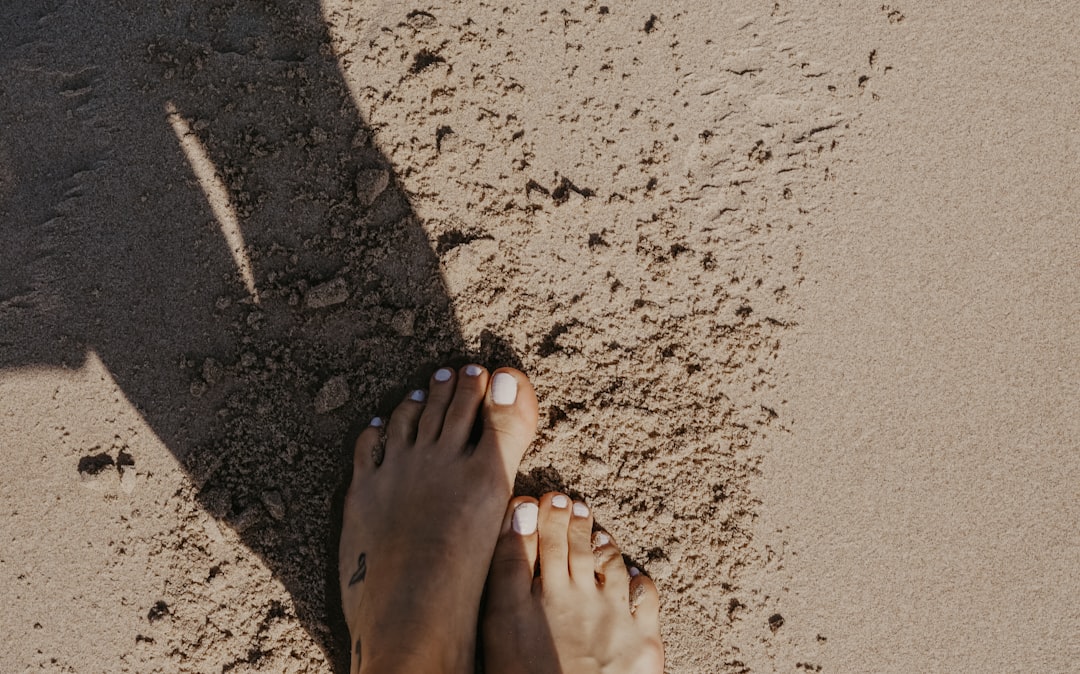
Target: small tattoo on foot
x,y
361,571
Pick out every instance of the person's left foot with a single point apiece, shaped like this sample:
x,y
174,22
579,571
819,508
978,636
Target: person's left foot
x,y
585,613
419,528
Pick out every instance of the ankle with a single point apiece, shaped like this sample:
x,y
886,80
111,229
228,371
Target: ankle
x,y
412,663
415,650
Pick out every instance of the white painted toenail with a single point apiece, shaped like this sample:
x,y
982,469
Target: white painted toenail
x,y
442,374
601,539
560,501
581,510
473,370
504,389
634,571
524,519
417,395
376,422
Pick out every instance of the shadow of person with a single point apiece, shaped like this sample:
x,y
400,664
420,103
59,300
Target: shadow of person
x,y
188,191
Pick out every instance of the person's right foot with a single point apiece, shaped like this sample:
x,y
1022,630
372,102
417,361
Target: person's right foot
x,y
586,613
420,526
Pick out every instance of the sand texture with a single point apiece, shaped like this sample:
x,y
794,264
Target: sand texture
x,y
798,285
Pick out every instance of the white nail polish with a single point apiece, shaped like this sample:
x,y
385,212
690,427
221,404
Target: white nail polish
x,y
376,422
443,374
523,520
560,501
503,389
581,510
601,539
634,571
473,370
418,396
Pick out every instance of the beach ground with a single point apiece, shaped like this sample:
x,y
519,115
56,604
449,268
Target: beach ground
x,y
798,288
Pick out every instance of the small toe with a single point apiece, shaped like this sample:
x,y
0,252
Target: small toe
x,y
514,562
472,383
401,429
644,600
554,543
609,566
582,564
365,448
440,392
509,416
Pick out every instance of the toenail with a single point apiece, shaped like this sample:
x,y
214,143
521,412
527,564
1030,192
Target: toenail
x,y
560,501
418,395
473,370
601,539
524,519
504,389
634,571
376,422
443,374
581,510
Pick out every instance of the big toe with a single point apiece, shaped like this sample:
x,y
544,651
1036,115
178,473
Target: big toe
x,y
514,562
509,418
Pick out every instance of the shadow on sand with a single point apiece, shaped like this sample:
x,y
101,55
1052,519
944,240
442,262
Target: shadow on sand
x,y
111,244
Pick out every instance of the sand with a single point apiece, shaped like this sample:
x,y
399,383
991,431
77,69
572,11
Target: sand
x,y
798,286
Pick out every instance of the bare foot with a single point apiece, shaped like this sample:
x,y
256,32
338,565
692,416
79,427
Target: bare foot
x,y
586,613
419,529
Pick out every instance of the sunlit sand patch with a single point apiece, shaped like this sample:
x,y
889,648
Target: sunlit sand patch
x,y
216,194
79,418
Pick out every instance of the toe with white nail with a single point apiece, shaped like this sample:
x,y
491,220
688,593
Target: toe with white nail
x,y
503,389
524,519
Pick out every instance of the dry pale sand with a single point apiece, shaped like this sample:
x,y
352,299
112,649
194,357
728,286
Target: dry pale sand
x,y
799,287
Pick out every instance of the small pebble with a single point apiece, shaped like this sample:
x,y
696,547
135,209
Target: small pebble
x,y
275,505
333,394
127,481
327,294
404,322
776,621
246,519
370,183
361,139
211,371
421,20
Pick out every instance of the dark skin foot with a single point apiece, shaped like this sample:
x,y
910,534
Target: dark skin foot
x,y
420,528
585,613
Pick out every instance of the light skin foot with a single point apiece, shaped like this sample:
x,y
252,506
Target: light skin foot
x,y
585,613
419,528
